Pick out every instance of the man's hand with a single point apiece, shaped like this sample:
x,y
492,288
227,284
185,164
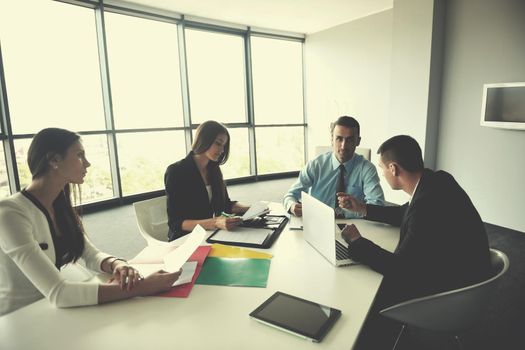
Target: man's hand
x,y
297,209
348,202
350,233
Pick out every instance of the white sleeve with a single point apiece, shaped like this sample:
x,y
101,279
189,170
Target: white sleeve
x,y
303,183
92,256
19,243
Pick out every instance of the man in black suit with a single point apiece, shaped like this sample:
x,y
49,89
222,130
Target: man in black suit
x,y
443,244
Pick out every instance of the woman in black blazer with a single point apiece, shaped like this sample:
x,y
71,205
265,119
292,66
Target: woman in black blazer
x,y
195,189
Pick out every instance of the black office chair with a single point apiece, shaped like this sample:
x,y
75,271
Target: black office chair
x,y
449,312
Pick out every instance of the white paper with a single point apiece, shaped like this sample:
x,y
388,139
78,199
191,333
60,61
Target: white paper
x,y
147,269
188,270
174,260
243,235
256,209
153,254
296,223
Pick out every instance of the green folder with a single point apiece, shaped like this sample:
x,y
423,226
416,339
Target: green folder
x,y
242,272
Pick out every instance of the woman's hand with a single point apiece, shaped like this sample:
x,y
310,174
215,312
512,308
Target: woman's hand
x,y
136,285
126,276
226,223
158,282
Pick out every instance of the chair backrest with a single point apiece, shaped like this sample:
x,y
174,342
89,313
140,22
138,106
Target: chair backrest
x,y
451,311
365,152
152,219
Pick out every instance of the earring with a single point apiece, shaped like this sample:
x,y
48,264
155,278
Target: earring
x,y
55,167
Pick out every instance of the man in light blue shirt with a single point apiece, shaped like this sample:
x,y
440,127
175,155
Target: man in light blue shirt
x,y
321,175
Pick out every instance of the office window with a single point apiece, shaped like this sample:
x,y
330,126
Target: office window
x,y
4,180
21,148
51,66
238,164
144,72
216,76
54,77
144,157
97,183
277,72
279,149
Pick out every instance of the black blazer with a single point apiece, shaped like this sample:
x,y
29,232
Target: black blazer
x,y
187,197
443,244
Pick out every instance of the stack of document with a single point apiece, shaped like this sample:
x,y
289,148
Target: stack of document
x,y
247,235
255,210
172,258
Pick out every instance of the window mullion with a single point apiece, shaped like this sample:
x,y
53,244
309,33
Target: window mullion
x,y
249,103
108,102
181,27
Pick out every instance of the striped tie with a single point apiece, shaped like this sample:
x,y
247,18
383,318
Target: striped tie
x,y
340,187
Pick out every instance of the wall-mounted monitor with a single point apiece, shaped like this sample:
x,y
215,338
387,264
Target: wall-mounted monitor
x,y
503,106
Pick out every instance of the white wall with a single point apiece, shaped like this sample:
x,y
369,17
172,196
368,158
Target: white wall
x,y
393,72
382,70
416,72
485,43
348,73
417,43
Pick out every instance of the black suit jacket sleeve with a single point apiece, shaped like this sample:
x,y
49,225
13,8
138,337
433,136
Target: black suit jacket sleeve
x,y
442,245
407,254
186,195
389,215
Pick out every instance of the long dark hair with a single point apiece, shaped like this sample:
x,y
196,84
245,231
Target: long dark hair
x,y
205,135
46,145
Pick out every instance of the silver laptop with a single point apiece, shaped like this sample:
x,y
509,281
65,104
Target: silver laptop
x,y
321,231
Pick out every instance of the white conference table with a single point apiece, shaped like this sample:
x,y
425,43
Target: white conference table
x,y
212,317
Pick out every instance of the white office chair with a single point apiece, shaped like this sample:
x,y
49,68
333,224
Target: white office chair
x,y
450,312
152,219
365,152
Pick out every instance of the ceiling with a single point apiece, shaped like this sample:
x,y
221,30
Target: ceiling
x,y
297,16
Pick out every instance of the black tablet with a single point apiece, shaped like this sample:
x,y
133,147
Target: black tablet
x,y
297,316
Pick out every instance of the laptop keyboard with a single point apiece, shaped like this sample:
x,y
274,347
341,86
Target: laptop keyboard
x,y
341,252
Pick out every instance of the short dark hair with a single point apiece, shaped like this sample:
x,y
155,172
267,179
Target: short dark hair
x,y
404,150
345,121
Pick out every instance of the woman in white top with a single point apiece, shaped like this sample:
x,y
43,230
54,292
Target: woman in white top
x,y
40,232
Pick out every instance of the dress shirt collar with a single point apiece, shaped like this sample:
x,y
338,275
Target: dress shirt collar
x,y
349,164
413,193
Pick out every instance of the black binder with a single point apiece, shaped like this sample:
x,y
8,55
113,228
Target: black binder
x,y
274,222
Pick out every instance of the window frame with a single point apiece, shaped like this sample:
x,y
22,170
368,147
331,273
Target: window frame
x,y
182,22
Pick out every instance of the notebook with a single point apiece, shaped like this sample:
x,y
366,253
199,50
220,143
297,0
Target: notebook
x,y
321,231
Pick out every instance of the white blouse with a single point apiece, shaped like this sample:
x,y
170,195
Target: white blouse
x,y
27,271
208,189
